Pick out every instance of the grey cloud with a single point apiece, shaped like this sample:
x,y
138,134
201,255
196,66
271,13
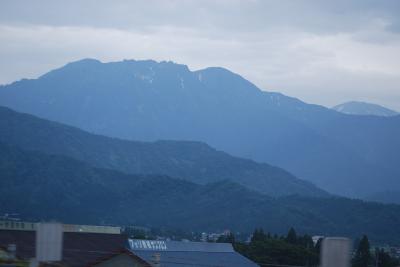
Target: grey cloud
x,y
235,15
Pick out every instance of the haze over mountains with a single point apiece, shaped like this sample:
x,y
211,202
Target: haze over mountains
x,y
193,161
48,187
149,101
362,108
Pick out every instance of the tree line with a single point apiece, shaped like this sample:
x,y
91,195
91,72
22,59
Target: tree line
x,y
364,256
300,250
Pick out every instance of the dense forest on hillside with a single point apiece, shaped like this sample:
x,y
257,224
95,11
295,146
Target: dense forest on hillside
x,y
57,187
193,161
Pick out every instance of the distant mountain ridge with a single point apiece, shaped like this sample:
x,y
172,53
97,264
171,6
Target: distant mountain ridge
x,y
193,161
388,197
53,187
149,101
363,108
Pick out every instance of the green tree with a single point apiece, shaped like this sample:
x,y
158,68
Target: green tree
x,y
278,251
383,259
258,235
362,258
291,237
305,241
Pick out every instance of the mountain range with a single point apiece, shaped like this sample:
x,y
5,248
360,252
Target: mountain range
x,y
193,161
363,108
53,187
149,101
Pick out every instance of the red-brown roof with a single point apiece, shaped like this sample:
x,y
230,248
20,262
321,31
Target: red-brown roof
x,y
123,251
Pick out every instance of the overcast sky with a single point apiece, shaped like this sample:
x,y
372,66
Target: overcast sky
x,y
323,52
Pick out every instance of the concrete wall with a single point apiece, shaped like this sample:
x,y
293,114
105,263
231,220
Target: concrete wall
x,y
17,225
31,226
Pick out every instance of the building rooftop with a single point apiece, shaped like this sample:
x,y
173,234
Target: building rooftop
x,y
177,254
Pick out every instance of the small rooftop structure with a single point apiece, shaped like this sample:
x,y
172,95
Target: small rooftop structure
x,y
177,254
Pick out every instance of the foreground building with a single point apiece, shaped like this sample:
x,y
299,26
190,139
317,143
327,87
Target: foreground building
x,y
106,248
78,248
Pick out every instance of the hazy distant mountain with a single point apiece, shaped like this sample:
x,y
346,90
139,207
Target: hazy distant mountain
x,y
148,101
362,108
44,187
193,161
